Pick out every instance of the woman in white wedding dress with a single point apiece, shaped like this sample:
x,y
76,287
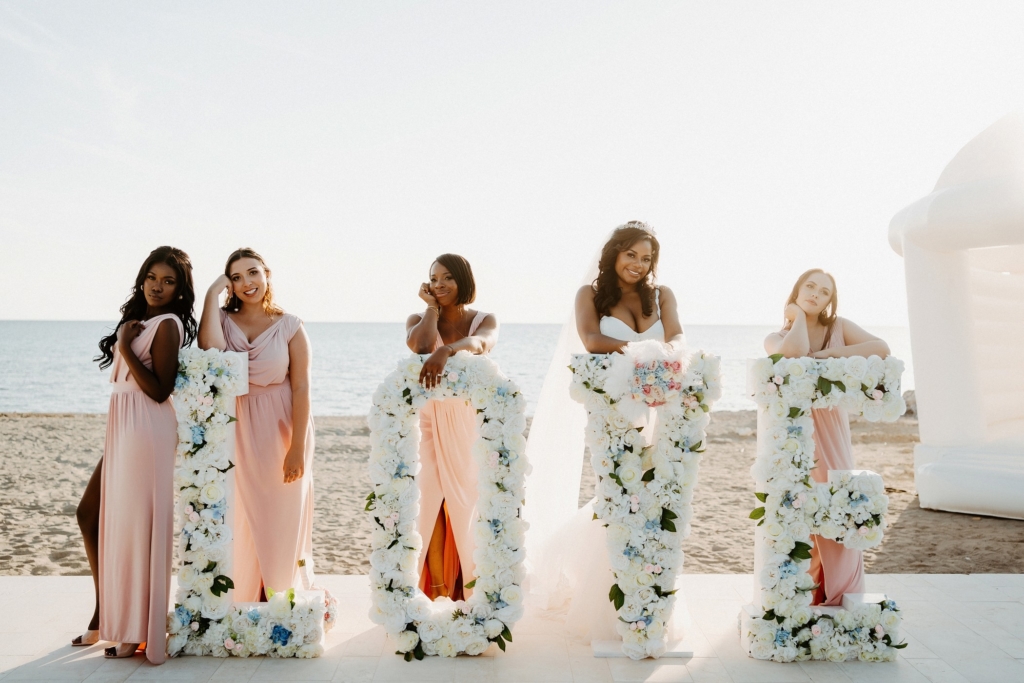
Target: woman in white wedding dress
x,y
569,556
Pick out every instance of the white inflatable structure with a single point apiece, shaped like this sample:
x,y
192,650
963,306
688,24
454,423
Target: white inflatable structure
x,y
963,248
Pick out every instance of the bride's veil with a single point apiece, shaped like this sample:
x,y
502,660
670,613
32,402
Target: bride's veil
x,y
555,450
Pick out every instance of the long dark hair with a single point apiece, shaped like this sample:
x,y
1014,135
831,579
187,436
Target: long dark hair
x,y
828,315
606,286
462,273
234,304
182,304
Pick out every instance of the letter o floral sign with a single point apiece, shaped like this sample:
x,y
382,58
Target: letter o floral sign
x,y
444,627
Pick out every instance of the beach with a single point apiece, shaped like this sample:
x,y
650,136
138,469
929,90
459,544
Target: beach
x,y
48,458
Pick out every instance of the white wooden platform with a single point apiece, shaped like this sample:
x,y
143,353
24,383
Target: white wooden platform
x,y
960,628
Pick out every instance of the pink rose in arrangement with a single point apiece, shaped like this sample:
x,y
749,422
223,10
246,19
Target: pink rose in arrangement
x,y
453,376
492,458
877,394
229,643
879,630
863,531
815,630
778,379
634,503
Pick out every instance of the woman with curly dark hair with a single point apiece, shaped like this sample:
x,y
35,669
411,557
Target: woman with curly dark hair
x,y
624,304
127,511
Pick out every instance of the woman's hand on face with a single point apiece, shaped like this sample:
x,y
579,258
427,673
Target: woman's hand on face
x,y
128,332
294,464
433,367
426,295
222,283
792,311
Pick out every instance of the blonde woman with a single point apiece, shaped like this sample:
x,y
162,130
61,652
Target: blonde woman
x,y
812,328
274,452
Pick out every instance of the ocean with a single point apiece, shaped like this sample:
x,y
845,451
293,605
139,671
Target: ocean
x,y
46,366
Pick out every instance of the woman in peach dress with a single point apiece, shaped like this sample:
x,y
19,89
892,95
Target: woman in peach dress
x,y
273,508
813,329
136,509
448,477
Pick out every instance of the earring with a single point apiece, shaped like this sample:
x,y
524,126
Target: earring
x,y
181,296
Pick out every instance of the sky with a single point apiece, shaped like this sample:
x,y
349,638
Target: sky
x,y
351,143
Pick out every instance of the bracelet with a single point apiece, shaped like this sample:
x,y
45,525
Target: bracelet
x,y
435,309
451,350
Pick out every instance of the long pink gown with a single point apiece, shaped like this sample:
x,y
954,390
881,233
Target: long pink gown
x,y
273,527
136,539
448,475
835,568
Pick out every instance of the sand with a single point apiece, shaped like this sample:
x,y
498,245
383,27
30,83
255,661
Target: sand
x,y
47,459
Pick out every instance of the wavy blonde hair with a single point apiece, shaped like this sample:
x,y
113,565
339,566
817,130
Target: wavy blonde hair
x,y
234,304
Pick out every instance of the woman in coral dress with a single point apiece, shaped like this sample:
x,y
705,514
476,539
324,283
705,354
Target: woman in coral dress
x,y
813,329
273,508
448,477
136,510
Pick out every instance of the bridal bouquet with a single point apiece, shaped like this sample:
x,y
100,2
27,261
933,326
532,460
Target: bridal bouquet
x,y
645,491
443,627
849,509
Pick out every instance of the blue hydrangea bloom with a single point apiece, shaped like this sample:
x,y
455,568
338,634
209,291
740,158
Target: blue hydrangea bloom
x,y
280,635
254,615
781,636
198,434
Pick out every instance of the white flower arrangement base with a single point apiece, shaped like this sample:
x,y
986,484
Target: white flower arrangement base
x,y
644,493
204,620
419,626
683,648
781,624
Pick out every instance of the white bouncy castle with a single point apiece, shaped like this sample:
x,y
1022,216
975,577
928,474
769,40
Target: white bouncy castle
x,y
963,249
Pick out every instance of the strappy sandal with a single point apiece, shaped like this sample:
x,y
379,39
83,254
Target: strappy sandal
x,y
121,651
90,637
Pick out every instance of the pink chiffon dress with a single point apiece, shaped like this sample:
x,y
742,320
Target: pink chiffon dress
x,y
273,526
835,568
136,535
448,480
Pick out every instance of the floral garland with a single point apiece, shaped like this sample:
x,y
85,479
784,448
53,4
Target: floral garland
x,y
849,509
644,494
204,622
443,627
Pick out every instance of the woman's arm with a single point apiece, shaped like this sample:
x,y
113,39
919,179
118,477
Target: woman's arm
x,y
588,325
157,383
299,356
856,342
421,331
482,341
211,332
794,344
674,336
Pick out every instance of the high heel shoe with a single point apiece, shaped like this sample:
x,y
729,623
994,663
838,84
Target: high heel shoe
x,y
90,637
121,651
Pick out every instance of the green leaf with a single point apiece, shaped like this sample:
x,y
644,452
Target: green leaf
x,y
471,584
824,386
705,408
506,634
222,583
407,655
842,387
801,551
210,566
795,412
666,519
760,523
501,642
769,615
762,496
757,513
595,516
418,652
614,477
616,596
668,514
371,496
648,475
900,646
394,543
776,357
232,418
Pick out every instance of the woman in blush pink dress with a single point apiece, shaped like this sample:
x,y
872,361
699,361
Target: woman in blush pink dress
x,y
135,538
274,458
813,329
448,477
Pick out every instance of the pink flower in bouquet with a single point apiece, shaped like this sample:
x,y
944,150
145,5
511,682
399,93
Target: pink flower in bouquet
x,y
863,531
676,366
229,643
879,630
778,379
647,389
815,630
453,376
690,401
492,458
877,394
657,569
634,503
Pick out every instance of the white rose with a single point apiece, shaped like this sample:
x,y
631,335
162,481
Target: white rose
x,y
430,631
211,493
446,648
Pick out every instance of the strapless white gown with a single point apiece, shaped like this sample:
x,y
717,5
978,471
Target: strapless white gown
x,y
587,572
